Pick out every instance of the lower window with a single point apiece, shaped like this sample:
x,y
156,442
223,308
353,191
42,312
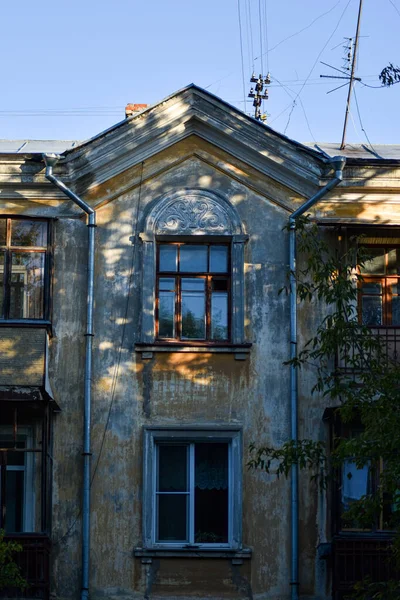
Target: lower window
x,y
192,488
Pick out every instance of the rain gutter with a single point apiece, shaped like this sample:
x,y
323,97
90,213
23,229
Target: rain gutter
x,y
338,163
50,161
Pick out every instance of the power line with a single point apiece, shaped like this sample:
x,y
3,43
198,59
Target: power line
x,y
251,35
361,123
303,29
241,51
377,87
395,7
316,61
248,35
266,32
260,24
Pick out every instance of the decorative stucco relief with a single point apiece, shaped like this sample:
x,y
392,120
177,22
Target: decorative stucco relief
x,y
193,215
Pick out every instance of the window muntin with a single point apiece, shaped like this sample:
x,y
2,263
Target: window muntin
x,y
187,471
193,292
379,291
191,478
23,264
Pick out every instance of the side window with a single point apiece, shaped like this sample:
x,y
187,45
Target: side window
x,y
193,292
23,265
186,472
358,481
379,292
16,481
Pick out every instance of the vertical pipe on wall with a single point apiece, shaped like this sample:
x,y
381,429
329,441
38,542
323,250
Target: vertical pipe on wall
x,y
50,161
338,163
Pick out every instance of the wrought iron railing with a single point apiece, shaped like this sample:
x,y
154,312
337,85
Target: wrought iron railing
x,y
389,337
357,559
34,562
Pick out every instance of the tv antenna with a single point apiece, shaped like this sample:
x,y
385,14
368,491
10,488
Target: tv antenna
x,y
350,59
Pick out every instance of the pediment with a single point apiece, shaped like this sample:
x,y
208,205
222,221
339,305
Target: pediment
x,y
194,112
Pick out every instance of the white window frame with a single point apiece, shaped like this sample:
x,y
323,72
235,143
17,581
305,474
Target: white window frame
x,y
28,468
190,436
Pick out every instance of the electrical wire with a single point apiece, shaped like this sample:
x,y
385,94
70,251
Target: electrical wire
x,y
266,33
251,35
378,87
303,29
361,123
316,61
261,44
241,51
395,7
246,18
117,366
291,94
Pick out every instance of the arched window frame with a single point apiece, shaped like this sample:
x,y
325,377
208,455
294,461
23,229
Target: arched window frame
x,y
192,214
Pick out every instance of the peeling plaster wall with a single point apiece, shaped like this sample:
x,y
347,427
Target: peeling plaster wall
x,y
176,388
130,392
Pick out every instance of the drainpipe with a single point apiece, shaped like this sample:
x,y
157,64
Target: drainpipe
x,y
50,161
338,163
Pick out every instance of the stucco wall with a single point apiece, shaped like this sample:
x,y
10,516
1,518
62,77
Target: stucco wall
x,y
130,392
173,388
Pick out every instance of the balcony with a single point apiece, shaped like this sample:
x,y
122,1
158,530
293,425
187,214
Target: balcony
x,y
34,561
390,340
355,558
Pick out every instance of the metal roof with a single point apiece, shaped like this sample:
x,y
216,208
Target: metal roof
x,y
36,146
358,151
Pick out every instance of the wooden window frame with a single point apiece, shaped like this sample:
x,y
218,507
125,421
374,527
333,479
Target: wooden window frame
x,y
209,277
339,431
7,251
383,280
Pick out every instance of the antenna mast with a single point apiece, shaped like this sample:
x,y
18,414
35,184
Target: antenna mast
x,y
352,78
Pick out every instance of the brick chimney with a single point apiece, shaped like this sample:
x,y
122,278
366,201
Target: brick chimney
x,y
131,109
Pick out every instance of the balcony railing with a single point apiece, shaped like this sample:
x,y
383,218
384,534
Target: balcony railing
x,y
358,558
390,341
34,562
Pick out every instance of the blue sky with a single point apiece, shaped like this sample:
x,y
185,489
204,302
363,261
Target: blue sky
x,y
69,69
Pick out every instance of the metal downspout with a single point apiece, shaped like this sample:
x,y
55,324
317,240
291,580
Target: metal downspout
x,y
338,163
50,161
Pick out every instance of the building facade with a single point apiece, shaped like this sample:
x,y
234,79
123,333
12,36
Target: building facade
x,y
191,201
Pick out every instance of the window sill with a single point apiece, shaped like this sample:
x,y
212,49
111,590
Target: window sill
x,y
24,323
239,350
236,556
378,534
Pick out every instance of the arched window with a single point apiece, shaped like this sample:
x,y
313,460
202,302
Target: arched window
x,y
193,271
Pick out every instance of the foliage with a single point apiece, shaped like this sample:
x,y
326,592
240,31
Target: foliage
x,y
367,392
10,575
390,75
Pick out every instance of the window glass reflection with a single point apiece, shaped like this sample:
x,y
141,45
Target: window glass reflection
x,y
27,285
28,233
375,265
193,309
218,259
372,310
168,258
3,231
193,259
